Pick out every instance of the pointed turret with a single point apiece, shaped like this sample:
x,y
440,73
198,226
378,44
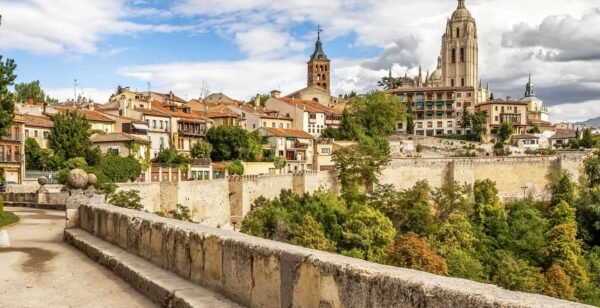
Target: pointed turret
x,y
529,88
318,54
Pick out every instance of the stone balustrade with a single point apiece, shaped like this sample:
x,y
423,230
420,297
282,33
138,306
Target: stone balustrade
x,y
261,273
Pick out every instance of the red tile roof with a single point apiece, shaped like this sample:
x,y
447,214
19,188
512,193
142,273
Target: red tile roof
x,y
310,106
117,137
37,121
91,115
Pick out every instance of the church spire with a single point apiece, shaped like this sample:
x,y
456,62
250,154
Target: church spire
x,y
529,88
461,4
319,54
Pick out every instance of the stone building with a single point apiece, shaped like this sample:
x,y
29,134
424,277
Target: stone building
x,y
38,128
12,162
537,113
296,146
501,111
439,100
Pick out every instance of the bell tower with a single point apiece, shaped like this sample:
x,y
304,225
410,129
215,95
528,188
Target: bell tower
x,y
319,66
460,51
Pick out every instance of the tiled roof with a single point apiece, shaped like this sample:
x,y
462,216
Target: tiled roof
x,y
261,112
91,115
282,132
194,115
117,137
310,106
153,112
37,121
525,136
564,134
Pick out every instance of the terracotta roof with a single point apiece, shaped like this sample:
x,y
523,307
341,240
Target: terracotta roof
x,y
153,112
564,134
109,106
261,112
309,106
91,115
178,113
174,97
282,132
37,121
116,137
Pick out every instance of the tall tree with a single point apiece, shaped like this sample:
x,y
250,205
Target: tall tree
x,y
201,149
506,130
411,251
410,120
70,137
30,91
7,104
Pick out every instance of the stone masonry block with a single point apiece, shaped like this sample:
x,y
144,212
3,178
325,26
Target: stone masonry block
x,y
133,235
213,261
168,247
156,244
182,253
266,281
123,224
237,271
196,257
144,249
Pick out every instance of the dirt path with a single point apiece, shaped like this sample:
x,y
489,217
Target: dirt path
x,y
40,270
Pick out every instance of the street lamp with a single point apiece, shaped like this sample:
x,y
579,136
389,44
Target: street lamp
x,y
524,188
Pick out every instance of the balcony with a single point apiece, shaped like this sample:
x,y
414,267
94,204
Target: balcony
x,y
10,159
12,138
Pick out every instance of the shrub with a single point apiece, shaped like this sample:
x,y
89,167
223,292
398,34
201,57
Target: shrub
x,y
419,148
181,213
129,199
120,169
235,168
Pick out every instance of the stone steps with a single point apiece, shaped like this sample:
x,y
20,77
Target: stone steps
x,y
162,287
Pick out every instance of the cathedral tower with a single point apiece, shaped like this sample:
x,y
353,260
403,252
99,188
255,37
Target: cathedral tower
x,y
460,50
318,67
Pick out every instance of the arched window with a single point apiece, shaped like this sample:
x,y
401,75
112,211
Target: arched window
x,y
453,55
325,85
324,77
462,82
462,55
452,82
315,99
457,32
326,67
318,77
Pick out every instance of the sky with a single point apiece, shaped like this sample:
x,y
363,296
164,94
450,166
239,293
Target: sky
x,y
245,47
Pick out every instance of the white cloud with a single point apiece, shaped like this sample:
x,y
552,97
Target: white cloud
x,y
63,94
575,112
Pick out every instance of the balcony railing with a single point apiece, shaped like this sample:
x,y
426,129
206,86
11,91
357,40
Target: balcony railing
x,y
10,159
12,138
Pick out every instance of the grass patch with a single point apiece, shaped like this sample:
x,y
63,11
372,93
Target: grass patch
x,y
7,218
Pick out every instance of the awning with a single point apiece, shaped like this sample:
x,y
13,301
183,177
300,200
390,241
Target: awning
x,y
439,103
440,113
449,103
140,126
429,113
429,103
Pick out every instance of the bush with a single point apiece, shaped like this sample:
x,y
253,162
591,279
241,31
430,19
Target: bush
x,y
419,148
120,169
236,168
129,199
180,213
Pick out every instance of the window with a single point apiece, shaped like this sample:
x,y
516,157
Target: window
x,y
457,32
419,124
453,55
254,125
469,94
288,125
496,108
429,124
154,123
440,124
273,124
46,134
161,124
35,133
496,118
462,82
26,133
420,97
452,83
459,95
458,105
113,151
325,150
449,124
280,125
462,55
264,124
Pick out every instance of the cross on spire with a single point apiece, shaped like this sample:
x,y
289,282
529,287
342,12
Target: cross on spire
x,y
319,30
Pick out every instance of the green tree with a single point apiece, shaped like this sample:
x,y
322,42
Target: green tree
x,y
514,274
410,120
310,234
526,227
349,128
171,157
120,169
587,139
230,143
506,130
558,284
129,199
31,91
70,137
411,251
7,103
201,149
378,113
37,158
359,166
279,163
588,215
478,128
563,189
180,213
235,168
592,169
367,234
450,198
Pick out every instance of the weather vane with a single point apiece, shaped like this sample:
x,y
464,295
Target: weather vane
x,y
319,30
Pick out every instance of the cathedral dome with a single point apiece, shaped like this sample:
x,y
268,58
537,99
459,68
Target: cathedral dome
x,y
437,74
461,12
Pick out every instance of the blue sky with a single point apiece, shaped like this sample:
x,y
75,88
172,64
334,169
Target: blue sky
x,y
244,47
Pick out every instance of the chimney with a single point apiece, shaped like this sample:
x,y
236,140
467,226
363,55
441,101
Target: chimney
x,y
275,93
257,100
44,108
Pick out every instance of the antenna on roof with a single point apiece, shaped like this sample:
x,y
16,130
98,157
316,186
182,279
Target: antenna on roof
x,y
149,86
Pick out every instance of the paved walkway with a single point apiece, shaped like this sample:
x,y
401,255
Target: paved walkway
x,y
40,270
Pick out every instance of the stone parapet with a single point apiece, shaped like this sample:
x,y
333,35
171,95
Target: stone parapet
x,y
261,273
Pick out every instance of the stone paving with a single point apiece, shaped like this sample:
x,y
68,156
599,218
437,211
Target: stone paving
x,y
40,270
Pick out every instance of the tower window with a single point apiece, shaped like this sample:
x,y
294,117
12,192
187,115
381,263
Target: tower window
x,y
452,82
457,32
462,55
453,55
325,85
462,82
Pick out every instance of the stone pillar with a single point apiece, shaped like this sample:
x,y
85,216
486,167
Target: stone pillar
x,y
77,179
42,191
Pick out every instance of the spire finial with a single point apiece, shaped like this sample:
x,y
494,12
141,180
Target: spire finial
x,y
319,30
461,4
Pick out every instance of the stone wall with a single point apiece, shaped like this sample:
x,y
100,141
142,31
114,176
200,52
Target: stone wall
x,y
261,273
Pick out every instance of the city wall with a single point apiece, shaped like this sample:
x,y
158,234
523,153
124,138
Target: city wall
x,y
260,273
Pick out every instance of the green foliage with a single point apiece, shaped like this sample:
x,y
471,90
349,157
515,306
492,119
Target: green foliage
x,y
477,123
588,215
31,91
310,234
451,198
410,120
463,264
359,166
1,205
515,274
367,233
120,169
279,162
70,137
230,143
235,168
7,103
180,213
171,157
37,158
411,251
592,169
201,149
563,189
129,199
506,131
534,130
587,139
526,227
7,218
558,284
